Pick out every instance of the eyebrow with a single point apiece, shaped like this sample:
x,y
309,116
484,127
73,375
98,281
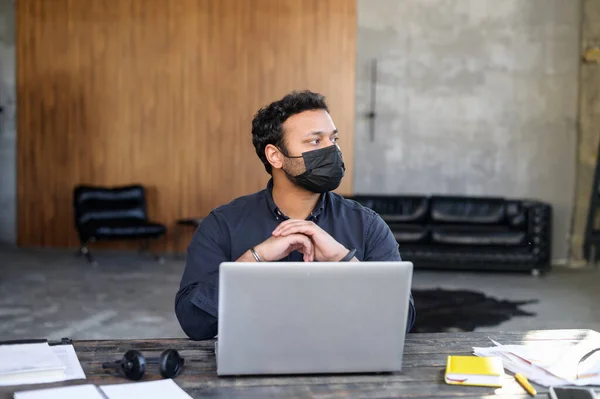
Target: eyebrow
x,y
320,133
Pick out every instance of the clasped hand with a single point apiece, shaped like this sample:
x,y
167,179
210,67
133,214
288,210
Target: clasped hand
x,y
302,236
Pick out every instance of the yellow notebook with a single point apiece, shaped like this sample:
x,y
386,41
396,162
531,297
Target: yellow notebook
x,y
474,370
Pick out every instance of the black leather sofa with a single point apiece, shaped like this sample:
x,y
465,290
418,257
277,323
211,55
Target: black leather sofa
x,y
478,233
113,213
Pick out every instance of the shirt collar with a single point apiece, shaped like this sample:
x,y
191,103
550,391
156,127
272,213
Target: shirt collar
x,y
319,207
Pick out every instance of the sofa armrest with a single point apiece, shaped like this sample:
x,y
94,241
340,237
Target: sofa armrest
x,y
539,230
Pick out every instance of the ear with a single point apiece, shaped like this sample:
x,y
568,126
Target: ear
x,y
274,156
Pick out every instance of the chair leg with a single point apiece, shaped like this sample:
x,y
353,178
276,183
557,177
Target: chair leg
x,y
146,248
158,258
176,237
85,251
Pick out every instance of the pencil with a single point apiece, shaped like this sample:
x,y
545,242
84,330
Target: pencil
x,y
521,379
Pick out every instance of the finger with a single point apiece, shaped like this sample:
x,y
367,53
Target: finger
x,y
296,223
296,247
287,223
309,257
307,252
306,229
311,251
304,244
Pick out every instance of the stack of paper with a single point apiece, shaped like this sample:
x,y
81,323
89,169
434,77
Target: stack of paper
x,y
38,363
87,391
551,363
160,389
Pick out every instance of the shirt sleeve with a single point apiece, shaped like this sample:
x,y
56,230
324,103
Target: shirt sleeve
x,y
196,302
381,245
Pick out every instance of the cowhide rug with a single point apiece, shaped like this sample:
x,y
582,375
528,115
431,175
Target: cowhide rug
x,y
441,310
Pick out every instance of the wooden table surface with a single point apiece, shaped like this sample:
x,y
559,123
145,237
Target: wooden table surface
x,y
422,375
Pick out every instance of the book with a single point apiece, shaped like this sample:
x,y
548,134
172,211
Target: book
x,y
474,371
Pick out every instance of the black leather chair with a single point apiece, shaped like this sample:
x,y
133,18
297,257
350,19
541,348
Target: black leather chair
x,y
113,213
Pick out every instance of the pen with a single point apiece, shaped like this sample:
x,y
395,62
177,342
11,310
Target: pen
x,y
521,379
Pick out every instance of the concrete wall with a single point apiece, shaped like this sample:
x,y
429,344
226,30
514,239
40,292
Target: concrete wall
x,y
589,124
8,136
473,97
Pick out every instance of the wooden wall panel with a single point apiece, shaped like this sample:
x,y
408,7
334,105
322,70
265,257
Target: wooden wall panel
x,y
162,93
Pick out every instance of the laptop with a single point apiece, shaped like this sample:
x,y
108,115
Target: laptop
x,y
312,317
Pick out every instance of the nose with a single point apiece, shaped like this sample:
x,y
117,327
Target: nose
x,y
329,143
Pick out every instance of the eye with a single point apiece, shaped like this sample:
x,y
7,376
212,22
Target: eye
x,y
315,141
335,139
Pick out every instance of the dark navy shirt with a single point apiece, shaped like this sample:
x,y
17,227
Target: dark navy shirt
x,y
231,230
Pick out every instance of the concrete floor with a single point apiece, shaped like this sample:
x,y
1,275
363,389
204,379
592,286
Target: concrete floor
x,y
54,294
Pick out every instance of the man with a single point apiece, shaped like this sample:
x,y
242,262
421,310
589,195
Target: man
x,y
295,218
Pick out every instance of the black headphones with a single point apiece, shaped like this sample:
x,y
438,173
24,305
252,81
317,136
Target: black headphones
x,y
133,364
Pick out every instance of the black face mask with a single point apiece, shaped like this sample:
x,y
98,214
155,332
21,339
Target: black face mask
x,y
324,169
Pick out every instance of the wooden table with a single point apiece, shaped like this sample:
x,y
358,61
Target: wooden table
x,y
422,377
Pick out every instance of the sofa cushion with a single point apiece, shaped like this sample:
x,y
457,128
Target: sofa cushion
x,y
395,209
409,233
516,213
92,203
468,210
477,235
121,228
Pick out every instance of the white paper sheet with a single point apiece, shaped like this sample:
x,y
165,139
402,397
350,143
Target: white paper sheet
x,y
159,389
66,353
550,363
87,391
70,368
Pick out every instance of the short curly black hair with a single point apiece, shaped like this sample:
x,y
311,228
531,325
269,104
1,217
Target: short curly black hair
x,y
267,125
